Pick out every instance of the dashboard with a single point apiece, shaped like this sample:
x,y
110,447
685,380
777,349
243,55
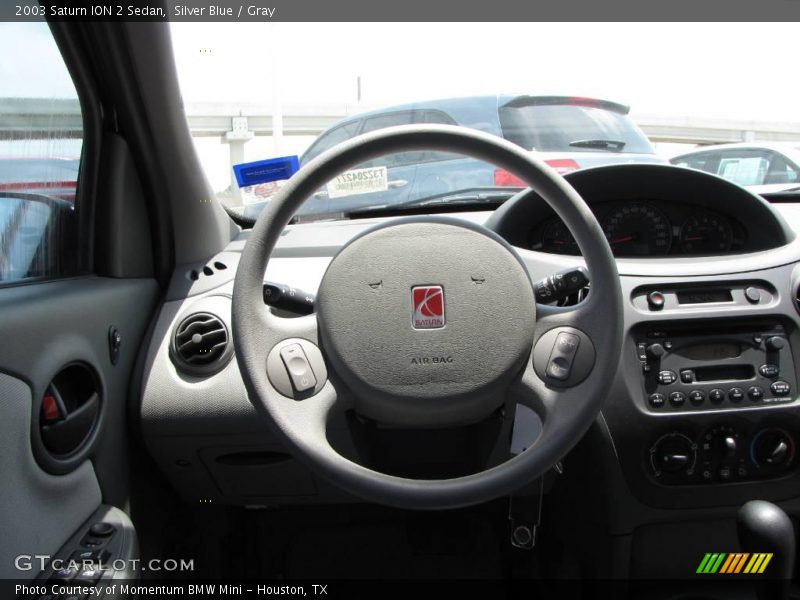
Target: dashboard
x,y
703,414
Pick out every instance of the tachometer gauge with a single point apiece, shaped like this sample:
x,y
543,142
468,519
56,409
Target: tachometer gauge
x,y
706,233
557,239
638,230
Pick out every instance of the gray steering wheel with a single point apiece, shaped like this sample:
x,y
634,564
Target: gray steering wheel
x,y
428,322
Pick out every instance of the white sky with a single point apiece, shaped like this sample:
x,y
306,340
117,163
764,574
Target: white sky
x,y
743,71
736,70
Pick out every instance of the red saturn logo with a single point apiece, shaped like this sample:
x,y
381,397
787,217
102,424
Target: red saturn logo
x,y
428,302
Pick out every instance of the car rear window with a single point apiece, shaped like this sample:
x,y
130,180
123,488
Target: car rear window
x,y
552,128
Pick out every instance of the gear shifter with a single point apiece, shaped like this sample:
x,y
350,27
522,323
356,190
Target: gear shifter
x,y
764,527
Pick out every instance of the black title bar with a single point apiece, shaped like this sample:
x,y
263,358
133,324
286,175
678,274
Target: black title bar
x,y
407,10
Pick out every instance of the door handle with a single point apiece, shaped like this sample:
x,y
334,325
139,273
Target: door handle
x,y
397,183
65,436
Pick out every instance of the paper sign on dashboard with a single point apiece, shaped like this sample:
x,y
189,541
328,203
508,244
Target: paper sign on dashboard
x,y
359,181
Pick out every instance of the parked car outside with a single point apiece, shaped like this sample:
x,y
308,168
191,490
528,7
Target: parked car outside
x,y
56,177
763,167
567,132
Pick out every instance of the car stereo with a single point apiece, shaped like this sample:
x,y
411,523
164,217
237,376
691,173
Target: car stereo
x,y
688,368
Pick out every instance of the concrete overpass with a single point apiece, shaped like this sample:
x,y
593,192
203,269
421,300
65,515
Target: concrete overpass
x,y
24,118
236,123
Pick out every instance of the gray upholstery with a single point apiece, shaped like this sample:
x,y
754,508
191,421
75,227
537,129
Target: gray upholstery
x,y
38,511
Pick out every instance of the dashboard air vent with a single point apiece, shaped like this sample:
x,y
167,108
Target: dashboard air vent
x,y
201,344
797,297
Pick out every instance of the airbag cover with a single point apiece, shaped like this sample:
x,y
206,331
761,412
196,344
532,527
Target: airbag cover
x,y
453,373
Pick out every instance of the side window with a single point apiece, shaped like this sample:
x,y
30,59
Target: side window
x,y
387,120
392,119
40,147
408,117
781,171
706,161
745,167
330,139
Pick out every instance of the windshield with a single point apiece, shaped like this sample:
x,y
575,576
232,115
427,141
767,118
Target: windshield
x,y
554,89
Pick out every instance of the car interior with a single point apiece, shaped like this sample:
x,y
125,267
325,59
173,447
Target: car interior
x,y
589,384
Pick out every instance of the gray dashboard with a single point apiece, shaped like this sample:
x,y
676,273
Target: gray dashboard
x,y
212,445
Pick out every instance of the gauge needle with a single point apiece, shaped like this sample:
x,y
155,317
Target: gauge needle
x,y
622,240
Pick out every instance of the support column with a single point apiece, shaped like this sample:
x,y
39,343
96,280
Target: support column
x,y
236,138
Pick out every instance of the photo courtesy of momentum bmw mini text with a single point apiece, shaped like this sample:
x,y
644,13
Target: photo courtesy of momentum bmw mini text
x,y
352,299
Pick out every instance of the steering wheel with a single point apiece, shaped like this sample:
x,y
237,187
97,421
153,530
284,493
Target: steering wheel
x,y
428,322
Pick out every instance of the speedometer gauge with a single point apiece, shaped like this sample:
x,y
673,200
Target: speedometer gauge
x,y
706,233
638,230
557,239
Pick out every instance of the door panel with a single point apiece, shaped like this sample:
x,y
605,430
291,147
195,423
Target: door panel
x,y
39,510
45,327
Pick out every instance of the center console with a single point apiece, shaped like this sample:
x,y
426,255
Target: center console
x,y
709,415
724,368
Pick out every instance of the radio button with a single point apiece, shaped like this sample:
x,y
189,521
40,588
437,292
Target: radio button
x,y
677,398
687,376
735,395
752,294
755,393
667,377
769,370
716,395
655,300
697,396
780,388
657,400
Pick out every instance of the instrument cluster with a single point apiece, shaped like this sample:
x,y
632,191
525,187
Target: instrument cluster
x,y
642,228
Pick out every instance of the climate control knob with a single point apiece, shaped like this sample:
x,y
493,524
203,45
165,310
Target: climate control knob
x,y
772,448
673,453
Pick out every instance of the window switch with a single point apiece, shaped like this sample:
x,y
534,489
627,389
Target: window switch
x,y
64,574
89,575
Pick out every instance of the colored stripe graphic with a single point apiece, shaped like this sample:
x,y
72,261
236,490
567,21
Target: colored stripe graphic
x,y
734,563
740,565
703,563
767,558
718,562
727,564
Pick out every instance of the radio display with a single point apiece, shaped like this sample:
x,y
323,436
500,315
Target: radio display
x,y
724,373
713,351
703,296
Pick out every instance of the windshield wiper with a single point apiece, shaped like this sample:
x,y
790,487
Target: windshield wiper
x,y
472,198
615,145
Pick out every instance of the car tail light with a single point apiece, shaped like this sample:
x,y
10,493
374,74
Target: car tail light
x,y
503,178
563,165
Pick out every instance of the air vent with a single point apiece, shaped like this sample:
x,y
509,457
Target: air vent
x,y
201,344
575,298
797,298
